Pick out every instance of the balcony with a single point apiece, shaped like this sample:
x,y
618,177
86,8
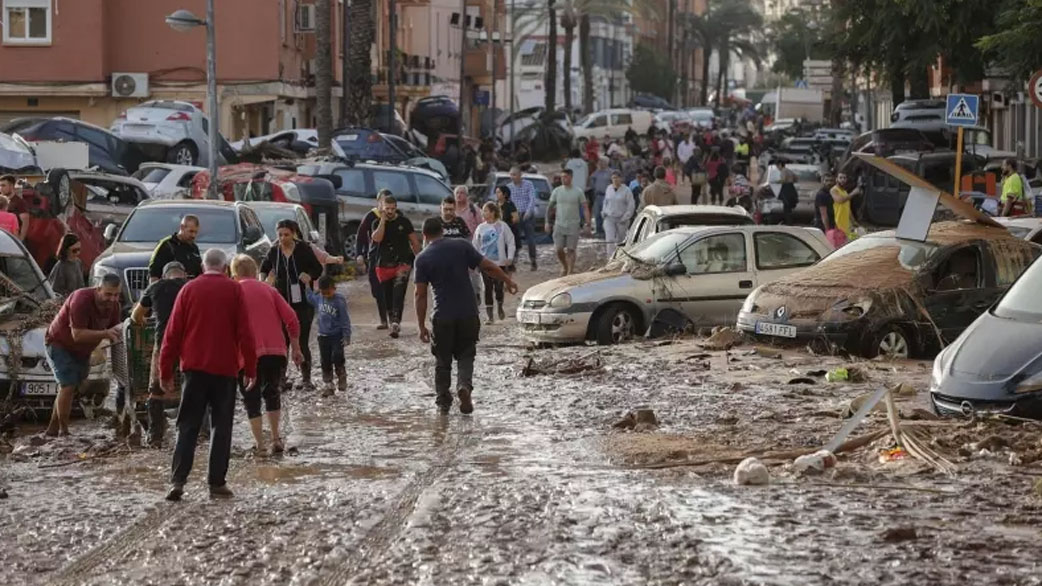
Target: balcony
x,y
477,62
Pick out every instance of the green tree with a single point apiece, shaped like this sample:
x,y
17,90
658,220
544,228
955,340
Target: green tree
x,y
650,73
727,26
1017,46
359,85
794,37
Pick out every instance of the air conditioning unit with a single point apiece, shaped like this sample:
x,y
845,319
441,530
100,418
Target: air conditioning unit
x,y
304,22
130,85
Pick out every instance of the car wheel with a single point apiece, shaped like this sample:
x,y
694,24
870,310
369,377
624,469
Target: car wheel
x,y
350,234
890,342
61,185
615,325
183,153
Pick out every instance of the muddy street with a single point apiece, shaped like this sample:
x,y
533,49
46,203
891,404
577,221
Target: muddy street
x,y
538,486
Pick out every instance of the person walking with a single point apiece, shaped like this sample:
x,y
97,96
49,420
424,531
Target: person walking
x,y
824,216
841,212
334,333
685,151
67,274
599,182
511,217
465,209
209,333
158,301
271,318
1013,199
788,194
580,170
365,253
86,318
658,193
397,246
179,246
8,221
522,193
455,327
494,241
567,208
619,207
717,173
453,225
291,266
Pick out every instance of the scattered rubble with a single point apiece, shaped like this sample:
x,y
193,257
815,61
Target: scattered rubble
x,y
566,366
751,472
638,420
817,462
722,339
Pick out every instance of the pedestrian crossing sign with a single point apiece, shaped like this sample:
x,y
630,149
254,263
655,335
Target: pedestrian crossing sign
x,y
962,110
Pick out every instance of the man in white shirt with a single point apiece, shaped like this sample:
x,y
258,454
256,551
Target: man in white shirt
x,y
685,150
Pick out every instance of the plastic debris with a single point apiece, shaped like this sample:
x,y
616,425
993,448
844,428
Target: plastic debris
x,y
837,375
893,455
817,462
751,472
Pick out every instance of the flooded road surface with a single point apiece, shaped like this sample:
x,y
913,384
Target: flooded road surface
x,y
535,487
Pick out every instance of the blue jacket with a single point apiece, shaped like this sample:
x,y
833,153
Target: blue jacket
x,y
333,319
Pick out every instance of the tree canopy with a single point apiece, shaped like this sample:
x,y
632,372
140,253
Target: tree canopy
x,y
1016,46
649,72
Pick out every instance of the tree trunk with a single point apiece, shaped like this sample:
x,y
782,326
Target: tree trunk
x,y
671,40
895,75
707,57
323,72
568,24
721,75
360,83
836,111
586,62
550,99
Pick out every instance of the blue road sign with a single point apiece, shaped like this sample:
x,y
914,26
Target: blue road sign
x,y
482,97
961,110
802,84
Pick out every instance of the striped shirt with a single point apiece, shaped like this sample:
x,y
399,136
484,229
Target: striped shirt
x,y
522,195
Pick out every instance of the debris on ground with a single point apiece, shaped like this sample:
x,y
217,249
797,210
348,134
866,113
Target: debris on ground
x,y
638,420
817,462
765,352
751,472
893,455
802,380
722,339
566,366
895,534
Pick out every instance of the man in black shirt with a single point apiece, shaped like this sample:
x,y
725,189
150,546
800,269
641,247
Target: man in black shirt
x,y
158,301
824,215
396,245
452,225
179,247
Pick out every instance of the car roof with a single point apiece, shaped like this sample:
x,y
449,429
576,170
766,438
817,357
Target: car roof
x,y
1020,222
274,204
75,121
688,210
191,203
921,104
9,245
523,175
702,230
171,166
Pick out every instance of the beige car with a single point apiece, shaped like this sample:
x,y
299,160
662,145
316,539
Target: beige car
x,y
702,272
654,219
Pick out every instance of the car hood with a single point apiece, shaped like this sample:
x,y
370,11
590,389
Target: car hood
x,y
993,348
546,291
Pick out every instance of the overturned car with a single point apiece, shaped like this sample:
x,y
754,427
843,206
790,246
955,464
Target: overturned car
x,y
890,296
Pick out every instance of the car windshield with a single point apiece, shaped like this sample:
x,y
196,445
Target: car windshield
x,y
1022,302
802,175
20,270
658,248
912,255
269,216
1019,231
150,174
152,224
367,146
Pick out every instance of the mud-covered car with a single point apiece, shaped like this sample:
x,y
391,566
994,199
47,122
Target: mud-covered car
x,y
883,295
27,305
995,366
700,274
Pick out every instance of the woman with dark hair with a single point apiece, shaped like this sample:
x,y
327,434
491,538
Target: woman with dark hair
x,y
509,212
67,274
291,266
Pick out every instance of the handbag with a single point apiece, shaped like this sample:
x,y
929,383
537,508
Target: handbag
x,y
699,179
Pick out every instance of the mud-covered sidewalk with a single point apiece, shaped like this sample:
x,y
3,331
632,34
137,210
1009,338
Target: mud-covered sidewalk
x,y
539,486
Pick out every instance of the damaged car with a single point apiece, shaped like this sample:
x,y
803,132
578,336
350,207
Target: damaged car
x,y
882,295
701,273
27,306
654,219
995,366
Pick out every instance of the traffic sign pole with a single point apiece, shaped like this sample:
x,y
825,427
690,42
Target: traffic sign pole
x,y
957,191
961,110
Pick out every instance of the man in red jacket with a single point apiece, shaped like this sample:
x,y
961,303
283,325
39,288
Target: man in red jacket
x,y
208,330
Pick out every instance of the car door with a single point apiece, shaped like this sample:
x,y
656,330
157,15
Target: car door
x,y
620,122
717,279
429,194
958,290
257,250
777,253
402,188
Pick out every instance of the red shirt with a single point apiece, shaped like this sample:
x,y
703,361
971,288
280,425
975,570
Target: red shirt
x,y
81,311
9,222
208,330
268,312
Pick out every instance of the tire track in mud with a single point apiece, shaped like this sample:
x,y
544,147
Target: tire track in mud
x,y
391,524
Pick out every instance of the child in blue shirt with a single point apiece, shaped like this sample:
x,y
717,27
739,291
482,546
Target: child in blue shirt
x,y
334,332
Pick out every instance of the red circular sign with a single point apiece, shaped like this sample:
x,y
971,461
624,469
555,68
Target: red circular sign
x,y
1035,88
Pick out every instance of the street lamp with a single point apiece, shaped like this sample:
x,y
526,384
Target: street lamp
x,y
184,21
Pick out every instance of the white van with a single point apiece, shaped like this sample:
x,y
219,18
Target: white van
x,y
614,123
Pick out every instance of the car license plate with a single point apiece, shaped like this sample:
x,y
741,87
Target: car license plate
x,y
35,389
779,330
528,317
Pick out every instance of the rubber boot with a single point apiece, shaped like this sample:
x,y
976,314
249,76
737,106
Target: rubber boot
x,y
156,422
305,377
341,378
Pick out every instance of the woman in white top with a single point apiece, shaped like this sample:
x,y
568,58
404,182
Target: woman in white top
x,y
494,241
617,211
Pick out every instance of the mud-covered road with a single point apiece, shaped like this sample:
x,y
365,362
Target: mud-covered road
x,y
537,487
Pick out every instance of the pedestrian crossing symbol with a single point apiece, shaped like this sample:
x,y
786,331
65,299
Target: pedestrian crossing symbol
x,y
962,110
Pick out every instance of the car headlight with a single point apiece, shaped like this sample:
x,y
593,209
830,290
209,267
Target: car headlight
x,y
1030,384
938,372
99,273
561,301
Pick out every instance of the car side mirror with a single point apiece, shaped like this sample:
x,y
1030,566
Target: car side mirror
x,y
676,269
110,233
251,235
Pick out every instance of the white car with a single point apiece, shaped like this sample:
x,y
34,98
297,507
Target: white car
x,y
702,117
294,140
1025,228
614,123
167,130
704,273
165,180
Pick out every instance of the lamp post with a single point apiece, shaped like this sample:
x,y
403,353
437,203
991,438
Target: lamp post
x,y
184,21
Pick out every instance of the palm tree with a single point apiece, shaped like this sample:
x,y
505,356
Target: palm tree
x,y
323,71
731,26
569,19
358,88
550,101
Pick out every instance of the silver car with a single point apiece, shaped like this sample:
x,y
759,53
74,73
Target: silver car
x,y
166,180
167,130
542,186
702,272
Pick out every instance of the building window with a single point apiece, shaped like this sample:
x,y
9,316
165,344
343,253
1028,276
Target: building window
x,y
27,22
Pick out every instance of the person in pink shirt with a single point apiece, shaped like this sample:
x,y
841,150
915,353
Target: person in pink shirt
x,y
268,312
469,212
8,221
671,176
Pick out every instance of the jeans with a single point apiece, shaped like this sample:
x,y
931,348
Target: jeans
x,y
526,228
492,286
598,206
331,354
202,390
394,296
614,233
453,339
266,387
305,314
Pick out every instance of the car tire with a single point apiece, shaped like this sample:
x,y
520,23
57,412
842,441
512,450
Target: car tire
x,y
61,193
615,324
183,153
350,236
890,341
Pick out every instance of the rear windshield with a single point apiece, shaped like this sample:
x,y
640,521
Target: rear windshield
x,y
152,224
20,270
1022,302
366,147
151,174
703,220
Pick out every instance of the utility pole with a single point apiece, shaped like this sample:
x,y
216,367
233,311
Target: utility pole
x,y
492,47
462,69
391,67
345,48
513,71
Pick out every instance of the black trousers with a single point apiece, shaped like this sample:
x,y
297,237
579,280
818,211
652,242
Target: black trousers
x,y
394,296
305,314
716,191
202,390
453,339
267,386
492,286
377,290
331,354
